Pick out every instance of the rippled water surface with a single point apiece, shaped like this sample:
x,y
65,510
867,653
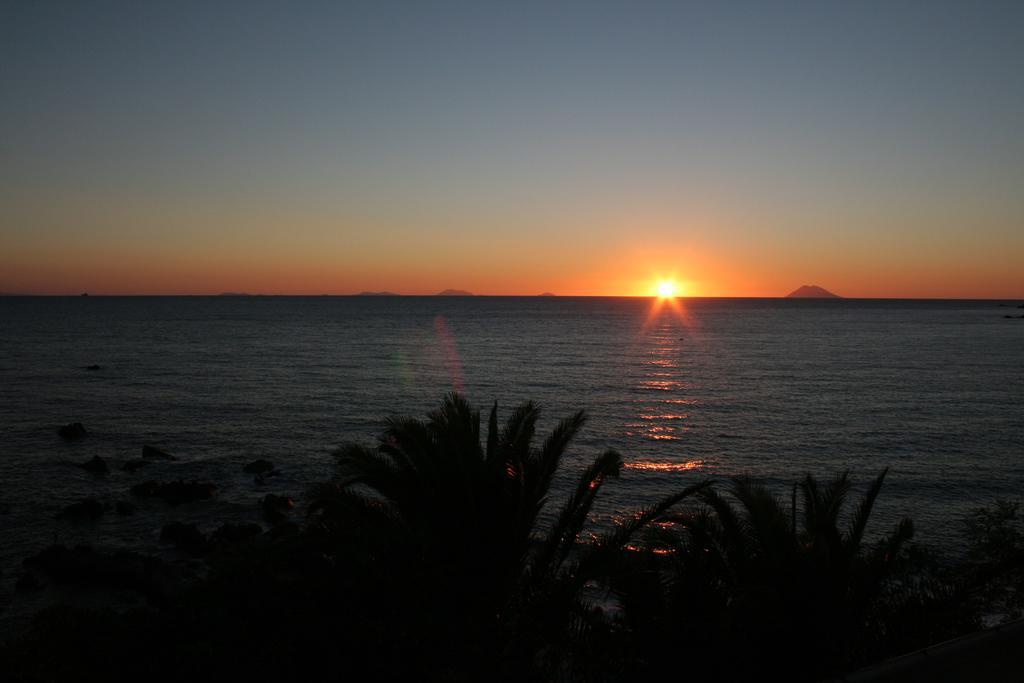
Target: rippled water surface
x,y
706,388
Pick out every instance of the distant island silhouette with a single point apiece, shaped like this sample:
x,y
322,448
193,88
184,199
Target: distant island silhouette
x,y
547,294
812,292
384,293
454,292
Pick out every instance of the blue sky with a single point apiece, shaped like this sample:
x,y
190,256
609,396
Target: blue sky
x,y
767,142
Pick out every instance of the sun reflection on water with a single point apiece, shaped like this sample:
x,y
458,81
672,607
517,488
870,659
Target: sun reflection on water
x,y
662,416
661,374
659,466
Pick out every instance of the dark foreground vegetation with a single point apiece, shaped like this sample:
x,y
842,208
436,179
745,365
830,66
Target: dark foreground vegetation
x,y
438,555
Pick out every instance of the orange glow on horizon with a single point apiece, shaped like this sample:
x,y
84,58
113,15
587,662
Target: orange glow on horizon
x,y
613,268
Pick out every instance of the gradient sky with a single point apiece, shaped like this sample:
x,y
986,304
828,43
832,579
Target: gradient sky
x,y
875,149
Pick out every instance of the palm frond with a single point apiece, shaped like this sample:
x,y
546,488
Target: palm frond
x,y
859,522
491,454
543,463
766,520
602,554
547,459
834,496
561,537
519,429
409,442
370,466
456,426
733,535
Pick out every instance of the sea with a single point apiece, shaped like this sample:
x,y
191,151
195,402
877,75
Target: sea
x,y
684,389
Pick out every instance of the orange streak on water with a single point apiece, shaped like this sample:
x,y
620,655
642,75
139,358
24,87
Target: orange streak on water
x,y
656,466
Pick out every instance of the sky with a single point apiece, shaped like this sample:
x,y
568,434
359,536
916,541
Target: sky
x,y
582,148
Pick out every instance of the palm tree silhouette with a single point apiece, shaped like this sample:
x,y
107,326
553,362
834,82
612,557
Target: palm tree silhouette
x,y
790,586
469,518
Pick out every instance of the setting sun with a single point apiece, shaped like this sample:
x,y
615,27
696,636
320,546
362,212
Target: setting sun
x,y
666,289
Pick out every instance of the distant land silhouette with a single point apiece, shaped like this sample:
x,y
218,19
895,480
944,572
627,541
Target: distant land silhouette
x,y
812,292
547,294
455,292
234,294
385,293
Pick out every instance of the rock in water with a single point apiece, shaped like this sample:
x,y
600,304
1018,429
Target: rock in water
x,y
260,466
75,430
175,492
90,508
82,566
276,508
97,465
27,582
147,489
185,537
133,465
154,453
229,534
262,478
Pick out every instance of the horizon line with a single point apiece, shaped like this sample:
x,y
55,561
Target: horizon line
x,y
232,295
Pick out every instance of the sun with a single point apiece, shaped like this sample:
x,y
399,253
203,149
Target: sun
x,y
666,289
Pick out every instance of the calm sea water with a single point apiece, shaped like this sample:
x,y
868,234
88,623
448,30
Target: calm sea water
x,y
710,388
